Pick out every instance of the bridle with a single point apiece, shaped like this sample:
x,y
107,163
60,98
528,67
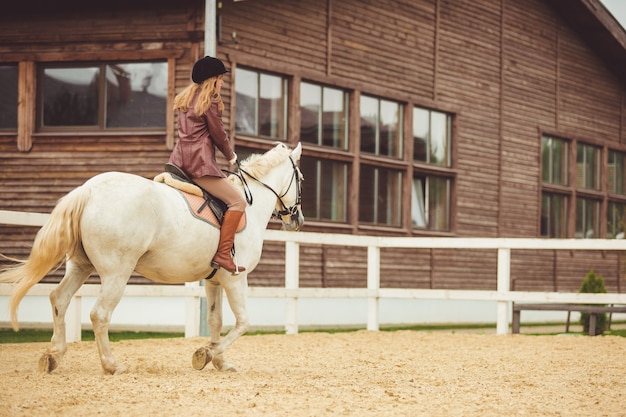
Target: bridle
x,y
286,210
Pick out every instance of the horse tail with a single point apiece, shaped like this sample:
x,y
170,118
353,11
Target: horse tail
x,y
57,241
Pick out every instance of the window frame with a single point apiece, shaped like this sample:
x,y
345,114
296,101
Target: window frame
x,y
100,127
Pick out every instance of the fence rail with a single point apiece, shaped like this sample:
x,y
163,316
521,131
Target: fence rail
x,y
503,296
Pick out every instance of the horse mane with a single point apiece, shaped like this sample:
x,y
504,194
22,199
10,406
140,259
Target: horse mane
x,y
257,165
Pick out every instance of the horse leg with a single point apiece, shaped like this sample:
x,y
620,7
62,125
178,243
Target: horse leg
x,y
204,355
236,292
111,293
77,271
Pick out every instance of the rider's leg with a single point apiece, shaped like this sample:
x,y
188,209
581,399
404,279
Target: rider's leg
x,y
223,189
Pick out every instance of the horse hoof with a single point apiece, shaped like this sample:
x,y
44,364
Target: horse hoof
x,y
200,358
47,363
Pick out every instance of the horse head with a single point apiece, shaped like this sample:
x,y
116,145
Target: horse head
x,y
289,204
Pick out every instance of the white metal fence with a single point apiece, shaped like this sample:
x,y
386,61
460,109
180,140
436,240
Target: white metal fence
x,y
503,296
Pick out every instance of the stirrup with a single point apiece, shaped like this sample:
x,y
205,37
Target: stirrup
x,y
217,266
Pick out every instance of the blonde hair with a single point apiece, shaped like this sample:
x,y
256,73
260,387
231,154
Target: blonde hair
x,y
206,95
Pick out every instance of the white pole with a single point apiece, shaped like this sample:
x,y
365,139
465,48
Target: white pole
x,y
504,284
373,285
292,282
210,28
73,326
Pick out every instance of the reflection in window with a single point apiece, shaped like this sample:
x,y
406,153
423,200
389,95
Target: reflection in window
x,y
136,95
8,96
615,220
554,161
260,104
71,96
553,215
325,188
430,203
323,116
380,196
431,137
128,95
587,218
588,166
381,127
616,173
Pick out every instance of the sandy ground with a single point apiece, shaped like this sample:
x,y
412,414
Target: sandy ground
x,y
362,373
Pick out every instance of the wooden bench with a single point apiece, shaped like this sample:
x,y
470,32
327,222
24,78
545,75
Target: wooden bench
x,y
582,308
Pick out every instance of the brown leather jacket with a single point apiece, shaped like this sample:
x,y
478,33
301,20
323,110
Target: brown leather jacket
x,y
198,136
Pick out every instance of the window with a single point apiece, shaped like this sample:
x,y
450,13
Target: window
x,y
325,188
587,167
430,204
430,194
616,172
431,137
553,172
380,196
261,108
104,96
381,127
554,161
587,218
553,215
323,116
8,97
615,220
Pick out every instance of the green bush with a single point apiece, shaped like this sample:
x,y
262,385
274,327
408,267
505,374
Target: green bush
x,y
593,283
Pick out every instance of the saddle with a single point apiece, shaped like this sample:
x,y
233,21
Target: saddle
x,y
217,206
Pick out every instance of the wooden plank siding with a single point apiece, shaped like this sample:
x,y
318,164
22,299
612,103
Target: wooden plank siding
x,y
507,71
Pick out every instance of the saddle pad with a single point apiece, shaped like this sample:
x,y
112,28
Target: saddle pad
x,y
194,203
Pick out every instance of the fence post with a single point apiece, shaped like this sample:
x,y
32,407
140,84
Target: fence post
x,y
73,320
192,313
292,282
503,287
373,285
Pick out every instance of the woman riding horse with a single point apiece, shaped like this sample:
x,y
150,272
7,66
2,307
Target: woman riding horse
x,y
200,130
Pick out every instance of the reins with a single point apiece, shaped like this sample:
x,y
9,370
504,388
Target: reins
x,y
248,193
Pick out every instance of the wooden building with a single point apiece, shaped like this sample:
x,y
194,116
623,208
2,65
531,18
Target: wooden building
x,y
488,118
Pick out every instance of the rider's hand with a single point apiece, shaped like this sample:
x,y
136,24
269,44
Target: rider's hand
x,y
234,160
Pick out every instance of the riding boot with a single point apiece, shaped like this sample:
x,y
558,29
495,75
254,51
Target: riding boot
x,y
223,257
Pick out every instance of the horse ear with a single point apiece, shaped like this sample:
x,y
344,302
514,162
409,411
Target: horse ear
x,y
297,152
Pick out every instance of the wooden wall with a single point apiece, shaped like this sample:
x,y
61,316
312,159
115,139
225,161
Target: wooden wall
x,y
507,70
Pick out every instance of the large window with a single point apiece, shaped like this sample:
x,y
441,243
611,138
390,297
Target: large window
x,y
261,104
323,116
8,97
380,196
381,127
431,191
104,96
325,188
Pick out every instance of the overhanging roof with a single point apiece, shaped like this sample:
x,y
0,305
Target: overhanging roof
x,y
601,31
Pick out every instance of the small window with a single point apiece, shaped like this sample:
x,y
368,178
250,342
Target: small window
x,y
431,137
380,192
430,203
587,218
381,127
553,215
104,96
325,188
554,161
616,173
323,116
261,104
615,220
8,97
587,166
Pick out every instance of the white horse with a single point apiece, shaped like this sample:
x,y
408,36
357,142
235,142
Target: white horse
x,y
116,224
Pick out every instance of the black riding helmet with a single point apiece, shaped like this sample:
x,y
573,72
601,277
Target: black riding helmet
x,y
206,68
